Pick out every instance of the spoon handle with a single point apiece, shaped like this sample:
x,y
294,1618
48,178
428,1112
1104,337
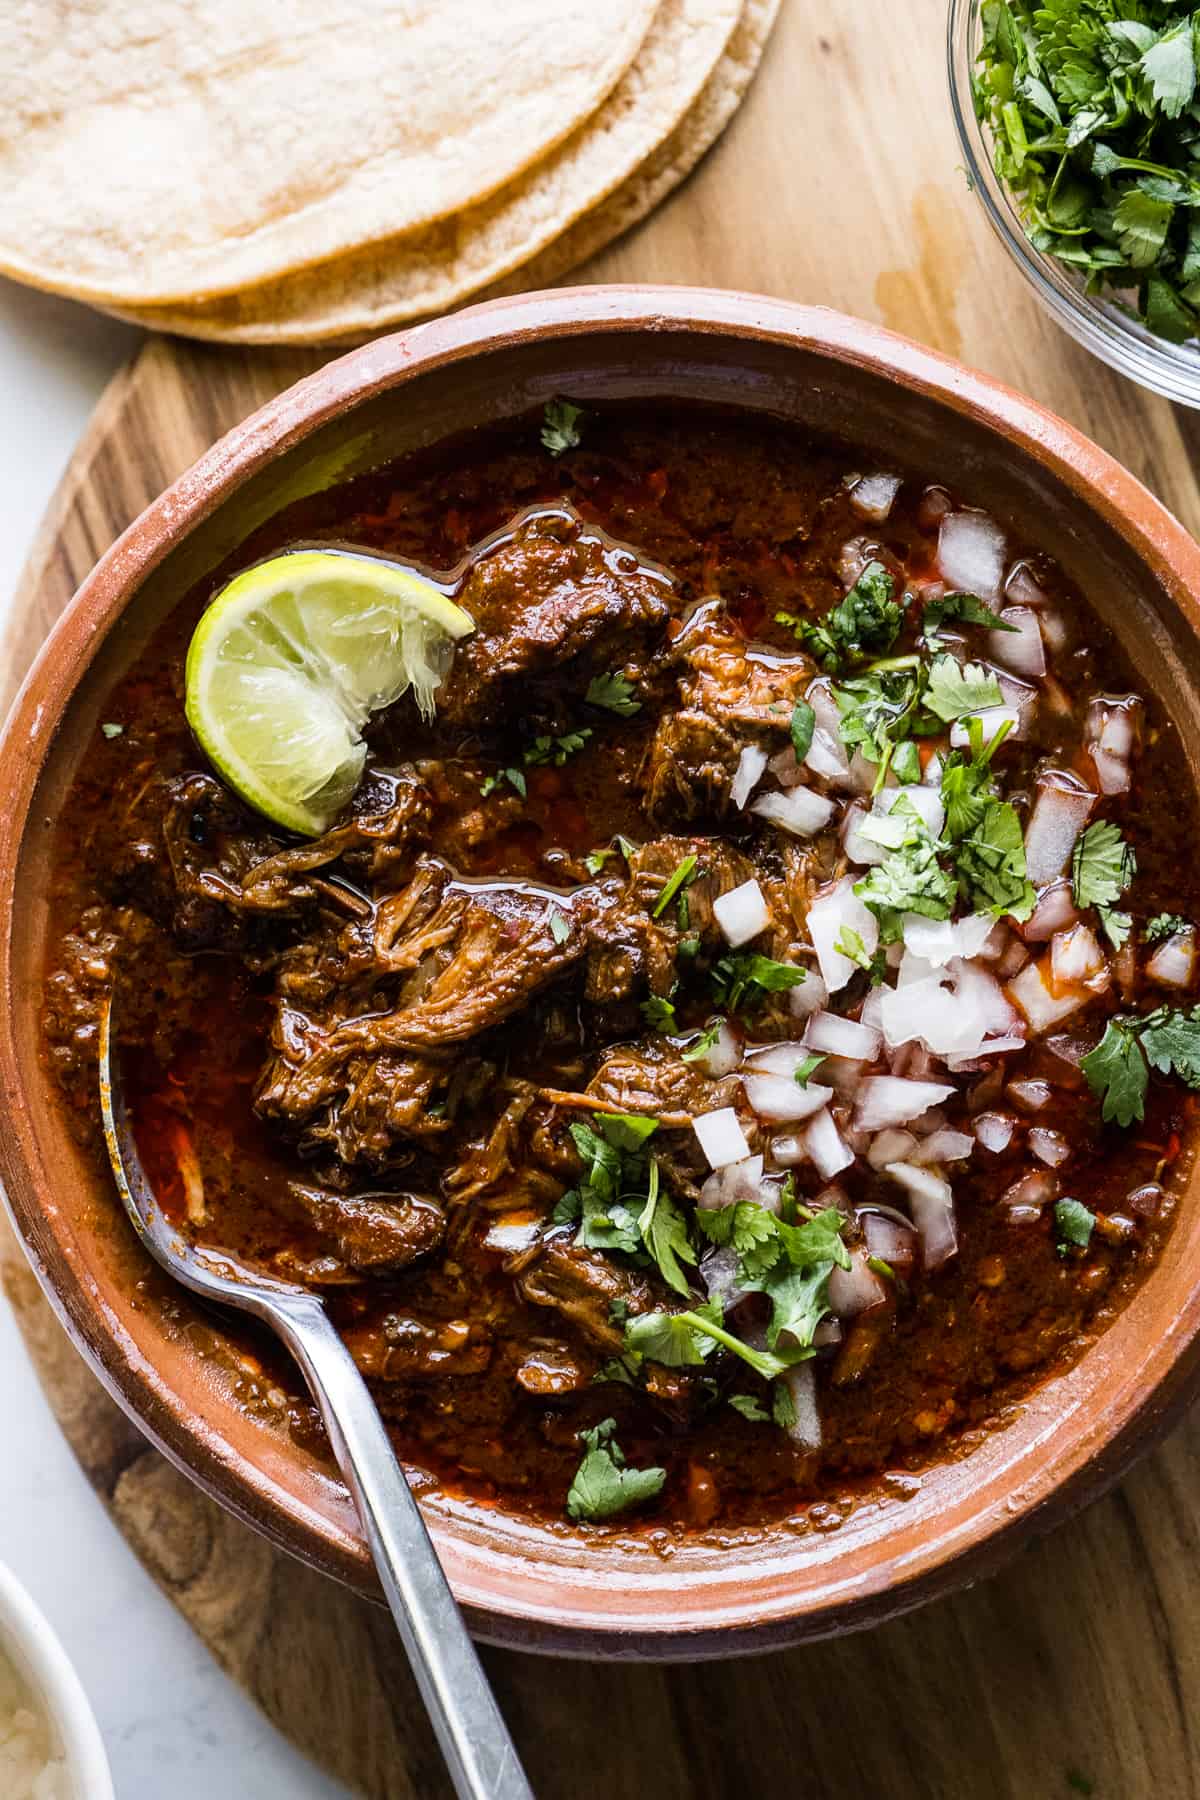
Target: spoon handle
x,y
479,1752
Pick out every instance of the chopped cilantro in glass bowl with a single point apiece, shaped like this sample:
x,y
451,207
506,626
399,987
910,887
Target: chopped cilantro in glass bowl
x,y
1116,280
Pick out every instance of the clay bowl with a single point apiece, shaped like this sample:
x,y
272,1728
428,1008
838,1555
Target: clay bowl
x,y
535,1586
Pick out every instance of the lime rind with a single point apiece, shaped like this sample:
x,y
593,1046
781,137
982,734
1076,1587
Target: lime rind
x,y
294,656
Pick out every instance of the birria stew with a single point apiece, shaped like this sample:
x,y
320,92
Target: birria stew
x,y
715,1067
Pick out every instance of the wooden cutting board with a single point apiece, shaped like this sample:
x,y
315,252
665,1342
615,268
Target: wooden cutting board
x,y
838,182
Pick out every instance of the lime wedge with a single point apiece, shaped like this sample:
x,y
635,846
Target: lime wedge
x,y
290,661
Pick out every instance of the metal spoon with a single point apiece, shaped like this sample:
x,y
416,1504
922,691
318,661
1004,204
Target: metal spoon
x,y
479,1753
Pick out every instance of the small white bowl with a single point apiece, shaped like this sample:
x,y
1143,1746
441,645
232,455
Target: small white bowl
x,y
29,1642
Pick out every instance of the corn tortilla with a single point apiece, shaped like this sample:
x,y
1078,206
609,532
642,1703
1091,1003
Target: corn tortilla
x,y
165,150
438,267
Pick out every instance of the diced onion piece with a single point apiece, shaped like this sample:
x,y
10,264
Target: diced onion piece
x,y
775,1059
788,1150
740,1181
724,1054
1061,810
1112,772
721,1137
885,1100
859,849
931,1201
751,767
994,1131
786,770
856,1289
1022,587
1055,911
892,1145
798,810
874,496
1020,649
926,802
970,553
835,1036
1075,956
827,1147
742,913
1053,627
826,756
835,910
1021,696
990,1047
809,995
890,1240
783,1101
1049,1146
936,941
513,1233
863,774
993,719
718,1272
1036,998
1031,1094
1037,1189
1174,962
805,1429
943,1146
1113,724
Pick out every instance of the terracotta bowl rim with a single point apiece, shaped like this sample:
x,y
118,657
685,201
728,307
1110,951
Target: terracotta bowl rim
x,y
1091,1454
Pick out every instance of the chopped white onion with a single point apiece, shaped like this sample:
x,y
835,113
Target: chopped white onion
x,y
863,774
931,1201
826,756
835,910
1055,911
926,802
951,1011
943,1147
892,1241
1021,586
1013,960
1055,633
742,913
1021,648
509,1236
735,1181
994,1131
786,770
1174,962
798,810
1037,1189
721,1137
993,719
1060,812
1113,723
723,1055
990,1047
788,1150
892,1145
1075,956
856,1289
827,1147
1031,1094
970,553
1037,1000
805,1429
752,764
1048,1146
885,1100
809,995
782,1101
834,1036
718,1272
874,496
936,941
859,849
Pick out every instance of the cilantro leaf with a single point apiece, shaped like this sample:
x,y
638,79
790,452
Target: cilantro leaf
x,y
560,426
1169,65
659,1013
1072,1225
665,1235
555,750
750,1408
1164,925
1102,866
1116,1070
953,692
604,1485
704,1043
865,623
595,860
514,777
680,1340
614,693
680,878
808,1068
625,1131
964,607
990,860
751,1230
741,982
1141,225
608,1224
560,925
804,722
1171,1040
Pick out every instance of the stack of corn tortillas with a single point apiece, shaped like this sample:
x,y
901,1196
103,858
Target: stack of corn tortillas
x,y
313,171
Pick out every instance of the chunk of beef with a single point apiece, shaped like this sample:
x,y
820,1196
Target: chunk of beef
x,y
371,1233
372,1020
550,1369
582,1285
651,1077
731,695
550,595
399,1347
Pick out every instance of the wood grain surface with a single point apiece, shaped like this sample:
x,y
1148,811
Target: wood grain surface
x,y
1078,1670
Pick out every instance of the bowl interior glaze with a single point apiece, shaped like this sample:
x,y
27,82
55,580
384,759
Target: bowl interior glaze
x,y
534,1585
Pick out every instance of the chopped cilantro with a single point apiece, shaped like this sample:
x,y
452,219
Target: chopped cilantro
x,y
850,944
1116,1070
514,777
804,721
808,1068
665,1234
1102,867
966,608
659,1013
560,426
877,1266
679,1340
110,729
604,1485
1164,925
614,693
560,925
881,709
906,762
750,1408
990,860
742,982
910,879
750,1229
866,623
555,750
704,1043
953,692
1072,1225
595,860
681,877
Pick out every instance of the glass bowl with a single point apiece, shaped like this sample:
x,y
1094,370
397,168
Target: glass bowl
x,y
1102,326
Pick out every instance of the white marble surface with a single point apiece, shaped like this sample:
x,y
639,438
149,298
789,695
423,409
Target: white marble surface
x,y
174,1724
